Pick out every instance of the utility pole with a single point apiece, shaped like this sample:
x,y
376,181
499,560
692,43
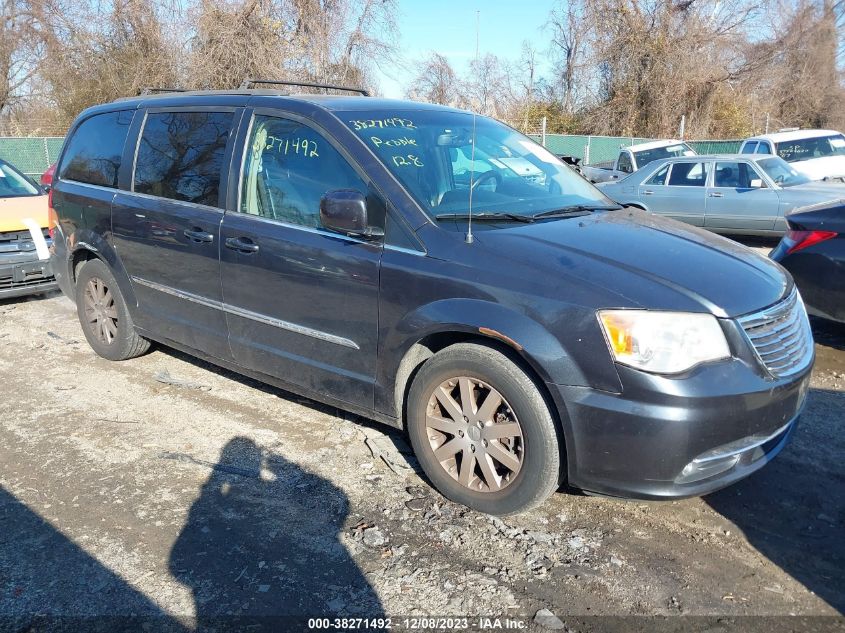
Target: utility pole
x,y
683,126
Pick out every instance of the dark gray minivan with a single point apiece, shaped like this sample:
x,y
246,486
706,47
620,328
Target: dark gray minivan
x,y
323,244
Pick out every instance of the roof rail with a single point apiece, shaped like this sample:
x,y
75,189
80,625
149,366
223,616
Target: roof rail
x,y
249,83
150,90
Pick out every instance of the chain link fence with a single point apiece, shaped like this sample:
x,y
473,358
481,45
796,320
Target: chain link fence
x,y
599,149
32,155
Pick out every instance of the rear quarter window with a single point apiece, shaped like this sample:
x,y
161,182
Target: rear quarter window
x,y
94,151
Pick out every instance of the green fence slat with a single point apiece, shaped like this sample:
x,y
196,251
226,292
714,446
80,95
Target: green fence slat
x,y
31,155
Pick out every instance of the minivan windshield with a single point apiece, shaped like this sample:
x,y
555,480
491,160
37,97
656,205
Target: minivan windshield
x,y
808,148
431,153
13,184
779,170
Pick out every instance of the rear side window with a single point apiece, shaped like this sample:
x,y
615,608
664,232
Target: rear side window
x,y
688,175
94,151
180,155
660,177
764,148
624,163
749,148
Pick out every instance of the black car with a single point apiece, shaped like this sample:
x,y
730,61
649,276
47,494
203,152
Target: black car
x,y
324,244
813,250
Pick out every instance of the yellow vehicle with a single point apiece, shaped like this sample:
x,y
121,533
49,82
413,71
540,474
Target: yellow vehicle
x,y
25,237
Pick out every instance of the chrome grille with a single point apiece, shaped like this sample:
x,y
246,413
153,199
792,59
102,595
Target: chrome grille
x,y
781,336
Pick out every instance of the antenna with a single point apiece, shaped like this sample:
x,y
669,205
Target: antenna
x,y
469,239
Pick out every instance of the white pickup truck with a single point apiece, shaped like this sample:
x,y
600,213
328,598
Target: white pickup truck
x,y
635,157
818,154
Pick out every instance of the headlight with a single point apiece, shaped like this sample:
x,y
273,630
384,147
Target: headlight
x,y
663,342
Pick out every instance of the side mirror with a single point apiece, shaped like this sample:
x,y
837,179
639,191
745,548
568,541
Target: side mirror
x,y
756,183
345,211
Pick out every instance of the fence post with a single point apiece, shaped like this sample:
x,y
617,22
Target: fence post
x,y
46,154
587,151
544,132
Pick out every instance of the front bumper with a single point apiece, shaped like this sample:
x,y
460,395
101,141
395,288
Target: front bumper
x,y
30,276
669,437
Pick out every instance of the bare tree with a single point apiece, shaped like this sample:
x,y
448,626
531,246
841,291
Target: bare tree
x,y
21,50
435,81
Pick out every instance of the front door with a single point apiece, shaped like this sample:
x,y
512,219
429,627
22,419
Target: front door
x,y
167,229
732,202
301,301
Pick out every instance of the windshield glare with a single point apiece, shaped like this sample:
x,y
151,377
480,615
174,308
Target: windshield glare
x,y
431,154
14,184
808,148
779,171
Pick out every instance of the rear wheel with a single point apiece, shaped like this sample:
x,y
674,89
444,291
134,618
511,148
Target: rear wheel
x,y
103,315
482,431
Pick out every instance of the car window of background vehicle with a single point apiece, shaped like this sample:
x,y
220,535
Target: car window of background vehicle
x,y
688,174
94,151
14,184
808,148
180,155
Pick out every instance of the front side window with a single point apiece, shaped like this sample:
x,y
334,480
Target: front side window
x,y
94,151
749,148
180,156
624,164
809,148
431,153
289,167
688,175
734,175
13,184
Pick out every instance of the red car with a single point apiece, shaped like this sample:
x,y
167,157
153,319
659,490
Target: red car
x,y
47,176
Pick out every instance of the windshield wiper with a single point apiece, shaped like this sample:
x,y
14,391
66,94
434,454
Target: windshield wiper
x,y
488,216
573,211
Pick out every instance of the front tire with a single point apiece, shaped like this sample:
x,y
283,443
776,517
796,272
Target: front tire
x,y
482,431
102,312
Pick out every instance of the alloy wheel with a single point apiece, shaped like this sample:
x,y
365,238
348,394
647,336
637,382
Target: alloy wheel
x,y
474,434
100,310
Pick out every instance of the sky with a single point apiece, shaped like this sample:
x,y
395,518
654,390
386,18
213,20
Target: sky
x,y
448,27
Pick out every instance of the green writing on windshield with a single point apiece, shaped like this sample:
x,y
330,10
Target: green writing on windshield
x,y
403,141
407,160
365,124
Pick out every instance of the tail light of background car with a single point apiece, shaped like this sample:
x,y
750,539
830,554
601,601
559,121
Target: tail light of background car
x,y
52,216
802,239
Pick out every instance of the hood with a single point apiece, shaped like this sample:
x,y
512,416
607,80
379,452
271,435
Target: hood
x,y
823,167
14,210
645,261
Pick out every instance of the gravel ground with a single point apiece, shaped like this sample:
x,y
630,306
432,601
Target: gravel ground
x,y
166,487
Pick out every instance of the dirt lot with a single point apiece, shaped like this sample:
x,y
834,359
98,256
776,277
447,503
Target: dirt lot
x,y
122,493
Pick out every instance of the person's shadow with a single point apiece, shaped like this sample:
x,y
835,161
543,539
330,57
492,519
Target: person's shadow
x,y
261,542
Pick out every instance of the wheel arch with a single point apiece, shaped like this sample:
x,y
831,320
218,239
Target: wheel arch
x,y
88,245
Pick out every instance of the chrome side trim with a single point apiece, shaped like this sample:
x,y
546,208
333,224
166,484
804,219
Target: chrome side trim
x,y
249,314
291,327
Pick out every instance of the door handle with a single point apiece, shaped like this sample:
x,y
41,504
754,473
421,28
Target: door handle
x,y
196,234
241,244
715,194
647,192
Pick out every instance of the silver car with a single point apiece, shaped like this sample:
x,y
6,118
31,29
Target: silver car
x,y
739,194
